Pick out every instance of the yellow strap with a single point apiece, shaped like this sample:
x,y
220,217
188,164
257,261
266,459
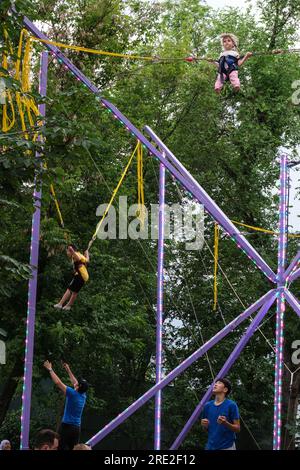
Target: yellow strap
x,y
19,99
155,58
57,206
18,62
113,197
7,122
216,258
21,113
258,229
29,103
140,177
91,51
26,66
24,103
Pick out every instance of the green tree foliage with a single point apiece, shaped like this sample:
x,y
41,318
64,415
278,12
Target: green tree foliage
x,y
229,143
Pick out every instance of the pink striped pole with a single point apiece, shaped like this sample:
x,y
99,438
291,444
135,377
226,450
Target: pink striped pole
x,y
159,308
282,244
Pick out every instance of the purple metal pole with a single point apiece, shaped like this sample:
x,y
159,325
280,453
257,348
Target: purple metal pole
x,y
227,366
213,209
196,191
32,287
294,275
159,308
179,369
294,303
292,267
282,242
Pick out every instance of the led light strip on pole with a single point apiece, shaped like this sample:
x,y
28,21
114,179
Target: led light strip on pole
x,y
279,347
34,261
159,307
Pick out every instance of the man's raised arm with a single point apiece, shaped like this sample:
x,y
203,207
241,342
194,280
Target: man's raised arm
x,y
55,377
70,374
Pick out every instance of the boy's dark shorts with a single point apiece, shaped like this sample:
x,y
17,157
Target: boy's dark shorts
x,y
76,284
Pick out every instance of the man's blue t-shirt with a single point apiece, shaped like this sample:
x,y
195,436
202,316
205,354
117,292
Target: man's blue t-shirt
x,y
73,407
219,436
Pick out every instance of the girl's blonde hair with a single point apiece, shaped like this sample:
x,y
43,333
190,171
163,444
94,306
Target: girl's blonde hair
x,y
232,37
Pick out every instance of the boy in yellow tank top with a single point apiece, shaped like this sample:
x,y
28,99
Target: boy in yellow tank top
x,y
80,277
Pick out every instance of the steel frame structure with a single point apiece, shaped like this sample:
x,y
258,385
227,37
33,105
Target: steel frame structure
x,y
280,293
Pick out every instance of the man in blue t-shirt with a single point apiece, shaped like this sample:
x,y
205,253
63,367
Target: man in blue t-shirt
x,y
74,404
220,418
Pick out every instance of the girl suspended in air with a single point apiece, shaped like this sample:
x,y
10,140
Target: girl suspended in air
x,y
229,62
80,277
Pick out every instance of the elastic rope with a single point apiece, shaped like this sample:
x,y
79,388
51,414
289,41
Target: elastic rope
x,y
92,51
112,197
258,229
7,123
57,206
191,58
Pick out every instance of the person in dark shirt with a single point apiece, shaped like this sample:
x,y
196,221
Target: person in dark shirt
x,y
74,405
220,417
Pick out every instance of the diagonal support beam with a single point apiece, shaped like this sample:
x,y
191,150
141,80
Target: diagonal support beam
x,y
294,275
227,366
292,267
182,176
179,369
214,210
293,301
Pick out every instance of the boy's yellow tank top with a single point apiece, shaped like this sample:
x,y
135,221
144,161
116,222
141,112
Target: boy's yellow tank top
x,y
80,267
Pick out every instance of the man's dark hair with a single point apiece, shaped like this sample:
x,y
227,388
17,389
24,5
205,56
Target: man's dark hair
x,y
45,437
82,386
73,246
226,383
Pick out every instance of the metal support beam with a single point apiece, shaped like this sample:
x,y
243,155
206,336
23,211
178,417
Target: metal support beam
x,y
225,369
179,369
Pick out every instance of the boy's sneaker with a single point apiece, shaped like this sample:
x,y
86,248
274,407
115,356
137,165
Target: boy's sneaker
x,y
57,306
67,307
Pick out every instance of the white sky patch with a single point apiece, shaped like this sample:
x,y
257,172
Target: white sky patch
x,y
226,3
294,220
